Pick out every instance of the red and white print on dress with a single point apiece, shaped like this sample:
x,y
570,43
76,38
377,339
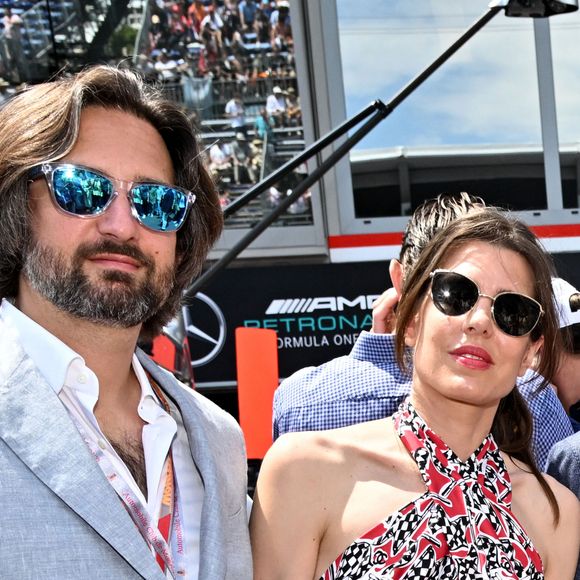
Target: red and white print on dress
x,y
462,527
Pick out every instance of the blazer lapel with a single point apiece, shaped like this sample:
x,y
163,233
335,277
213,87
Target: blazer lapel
x,y
212,516
36,426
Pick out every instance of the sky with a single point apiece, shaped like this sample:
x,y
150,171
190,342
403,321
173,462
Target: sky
x,y
487,93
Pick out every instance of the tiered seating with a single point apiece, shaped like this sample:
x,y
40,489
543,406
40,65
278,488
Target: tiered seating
x,y
247,61
52,34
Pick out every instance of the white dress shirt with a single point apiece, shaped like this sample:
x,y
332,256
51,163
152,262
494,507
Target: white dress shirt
x,y
78,389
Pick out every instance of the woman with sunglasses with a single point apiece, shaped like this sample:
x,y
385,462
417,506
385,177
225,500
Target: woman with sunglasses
x,y
447,487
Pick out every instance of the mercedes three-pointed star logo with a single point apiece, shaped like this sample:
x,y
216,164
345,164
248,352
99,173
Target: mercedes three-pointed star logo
x,y
206,325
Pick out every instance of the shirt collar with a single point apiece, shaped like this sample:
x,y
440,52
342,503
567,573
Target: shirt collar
x,y
52,356
150,408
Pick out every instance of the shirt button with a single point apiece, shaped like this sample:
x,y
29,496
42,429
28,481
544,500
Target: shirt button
x,y
82,379
102,444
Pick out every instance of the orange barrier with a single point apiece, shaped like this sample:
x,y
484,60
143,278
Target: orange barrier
x,y
163,352
257,367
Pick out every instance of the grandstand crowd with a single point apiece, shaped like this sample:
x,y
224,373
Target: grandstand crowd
x,y
240,51
232,40
245,49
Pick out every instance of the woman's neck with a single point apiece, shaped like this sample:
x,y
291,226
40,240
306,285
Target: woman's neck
x,y
462,426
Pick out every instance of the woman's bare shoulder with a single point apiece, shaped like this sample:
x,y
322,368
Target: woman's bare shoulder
x,y
333,445
530,503
567,502
527,486
555,538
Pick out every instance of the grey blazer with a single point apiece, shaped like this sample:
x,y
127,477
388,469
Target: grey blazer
x,y
564,465
62,519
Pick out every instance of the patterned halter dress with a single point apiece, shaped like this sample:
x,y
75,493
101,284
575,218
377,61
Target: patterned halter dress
x,y
461,528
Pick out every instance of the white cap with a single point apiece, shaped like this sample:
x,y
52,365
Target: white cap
x,y
568,310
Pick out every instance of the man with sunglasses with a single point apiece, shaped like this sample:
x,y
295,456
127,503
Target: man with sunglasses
x,y
567,378
109,468
564,459
368,383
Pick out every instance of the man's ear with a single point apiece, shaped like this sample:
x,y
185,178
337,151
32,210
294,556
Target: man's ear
x,y
529,359
396,274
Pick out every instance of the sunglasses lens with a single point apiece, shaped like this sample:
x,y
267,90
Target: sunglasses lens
x,y
160,207
453,294
79,191
515,314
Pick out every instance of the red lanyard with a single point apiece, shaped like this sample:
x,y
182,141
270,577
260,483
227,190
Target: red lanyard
x,y
157,536
169,496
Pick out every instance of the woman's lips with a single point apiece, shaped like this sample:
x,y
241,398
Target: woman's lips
x,y
472,357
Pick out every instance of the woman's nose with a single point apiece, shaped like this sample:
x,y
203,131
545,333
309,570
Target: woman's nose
x,y
480,317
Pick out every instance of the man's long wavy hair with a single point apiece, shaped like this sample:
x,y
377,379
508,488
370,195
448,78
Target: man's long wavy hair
x,y
42,124
512,425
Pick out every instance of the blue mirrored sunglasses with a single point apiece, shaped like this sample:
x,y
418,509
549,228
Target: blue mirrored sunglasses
x,y
86,193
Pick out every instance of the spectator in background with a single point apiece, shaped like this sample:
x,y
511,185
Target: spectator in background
x,y
156,30
289,183
168,69
179,29
196,13
264,125
273,196
280,27
12,33
214,24
220,158
231,19
212,15
567,377
224,198
234,70
243,158
146,68
12,24
236,112
237,48
262,23
4,92
301,205
267,7
293,109
248,10
193,118
212,41
276,106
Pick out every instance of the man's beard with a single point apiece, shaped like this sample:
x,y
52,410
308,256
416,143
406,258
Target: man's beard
x,y
116,299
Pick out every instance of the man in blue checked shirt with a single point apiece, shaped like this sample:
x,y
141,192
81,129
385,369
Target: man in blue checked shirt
x,y
368,383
